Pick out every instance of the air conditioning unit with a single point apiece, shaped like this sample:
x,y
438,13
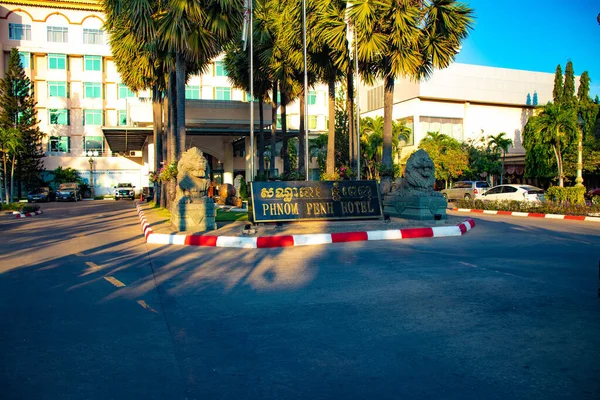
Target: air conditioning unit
x,y
135,153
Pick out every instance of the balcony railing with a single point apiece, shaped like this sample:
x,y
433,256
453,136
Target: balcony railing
x,y
78,153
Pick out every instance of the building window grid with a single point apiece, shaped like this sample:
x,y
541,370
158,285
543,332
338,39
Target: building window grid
x,y
19,31
125,92
93,143
312,98
220,69
58,34
312,122
25,59
57,61
61,144
92,63
122,118
192,92
452,127
92,90
58,116
93,36
57,89
92,118
222,93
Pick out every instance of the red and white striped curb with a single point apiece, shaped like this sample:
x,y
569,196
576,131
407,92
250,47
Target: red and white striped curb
x,y
534,215
31,214
259,242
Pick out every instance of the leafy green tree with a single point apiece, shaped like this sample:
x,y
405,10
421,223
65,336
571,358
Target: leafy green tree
x,y
65,175
483,161
568,98
500,144
317,147
447,154
17,111
557,91
554,128
398,39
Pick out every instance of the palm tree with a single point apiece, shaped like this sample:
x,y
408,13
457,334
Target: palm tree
x,y
405,39
11,144
499,143
330,55
555,127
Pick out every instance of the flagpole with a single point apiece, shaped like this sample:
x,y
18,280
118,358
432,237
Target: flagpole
x,y
251,94
305,91
357,102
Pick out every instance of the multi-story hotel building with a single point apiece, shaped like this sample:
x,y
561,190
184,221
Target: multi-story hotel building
x,y
84,107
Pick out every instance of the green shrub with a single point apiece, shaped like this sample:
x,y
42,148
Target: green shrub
x,y
243,189
22,207
547,207
571,195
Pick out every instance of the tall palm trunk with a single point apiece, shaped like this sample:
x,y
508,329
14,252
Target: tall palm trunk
x,y
157,133
5,172
559,165
273,130
284,148
261,139
301,136
502,172
12,178
330,165
180,79
172,122
386,159
350,111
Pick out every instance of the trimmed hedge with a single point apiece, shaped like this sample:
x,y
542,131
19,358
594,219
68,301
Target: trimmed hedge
x,y
570,195
22,207
547,207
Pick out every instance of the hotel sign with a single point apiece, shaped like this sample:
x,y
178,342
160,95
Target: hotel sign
x,y
307,200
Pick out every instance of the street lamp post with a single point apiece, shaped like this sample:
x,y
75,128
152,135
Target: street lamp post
x,y
91,154
579,178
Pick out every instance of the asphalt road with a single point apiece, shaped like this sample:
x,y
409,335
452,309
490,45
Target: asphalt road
x,y
89,311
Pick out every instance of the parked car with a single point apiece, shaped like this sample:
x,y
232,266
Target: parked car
x,y
514,192
68,192
41,194
124,191
594,196
465,190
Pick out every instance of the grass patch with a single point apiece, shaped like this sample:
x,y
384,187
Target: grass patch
x,y
21,207
224,215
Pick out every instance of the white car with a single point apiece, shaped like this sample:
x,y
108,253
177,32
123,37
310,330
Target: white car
x,y
514,192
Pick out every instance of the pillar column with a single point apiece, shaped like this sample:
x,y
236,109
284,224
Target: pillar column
x,y
228,161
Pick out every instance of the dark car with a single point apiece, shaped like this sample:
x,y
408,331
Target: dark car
x,y
45,194
594,196
68,192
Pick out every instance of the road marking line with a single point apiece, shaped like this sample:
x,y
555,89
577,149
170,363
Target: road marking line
x,y
146,306
114,281
79,254
92,265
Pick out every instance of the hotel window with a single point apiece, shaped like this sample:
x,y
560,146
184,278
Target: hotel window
x,y
19,31
58,117
92,90
248,98
447,126
57,89
57,61
25,57
93,36
125,92
58,34
312,122
92,117
92,63
312,97
220,69
93,143
122,118
192,92
59,144
222,93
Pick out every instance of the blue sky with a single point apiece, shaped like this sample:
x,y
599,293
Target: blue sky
x,y
535,35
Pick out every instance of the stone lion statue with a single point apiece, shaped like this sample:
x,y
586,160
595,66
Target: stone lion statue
x,y
193,177
419,175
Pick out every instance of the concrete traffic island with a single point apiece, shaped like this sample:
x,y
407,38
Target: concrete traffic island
x,y
158,230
